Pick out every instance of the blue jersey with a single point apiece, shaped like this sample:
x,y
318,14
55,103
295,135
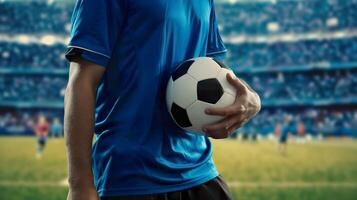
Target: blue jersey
x,y
285,129
138,148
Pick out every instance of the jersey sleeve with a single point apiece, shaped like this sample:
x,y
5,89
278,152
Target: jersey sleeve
x,y
96,25
215,46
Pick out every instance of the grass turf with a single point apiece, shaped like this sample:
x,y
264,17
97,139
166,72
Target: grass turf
x,y
255,170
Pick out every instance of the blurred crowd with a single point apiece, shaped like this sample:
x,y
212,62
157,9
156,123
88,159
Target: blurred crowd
x,y
295,86
38,17
32,88
298,86
244,55
293,53
286,16
326,121
35,17
39,56
247,18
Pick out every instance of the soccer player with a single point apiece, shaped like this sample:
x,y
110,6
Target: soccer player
x,y
56,128
284,134
301,132
122,54
41,130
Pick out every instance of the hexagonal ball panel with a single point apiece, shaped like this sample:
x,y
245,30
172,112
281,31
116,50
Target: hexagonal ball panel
x,y
209,90
180,116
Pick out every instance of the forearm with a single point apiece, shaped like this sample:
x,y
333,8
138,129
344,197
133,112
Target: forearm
x,y
79,130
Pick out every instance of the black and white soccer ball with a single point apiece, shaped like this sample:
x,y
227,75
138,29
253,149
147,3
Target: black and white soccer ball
x,y
195,85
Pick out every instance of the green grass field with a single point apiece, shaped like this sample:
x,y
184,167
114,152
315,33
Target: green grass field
x,y
323,170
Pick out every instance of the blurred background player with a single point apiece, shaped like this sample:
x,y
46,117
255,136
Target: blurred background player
x,y
41,130
56,128
300,132
284,134
277,130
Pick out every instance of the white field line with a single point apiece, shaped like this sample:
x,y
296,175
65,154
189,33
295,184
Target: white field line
x,y
232,184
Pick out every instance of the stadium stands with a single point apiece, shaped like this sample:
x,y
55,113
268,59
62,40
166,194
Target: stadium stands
x,y
299,87
17,55
305,86
31,88
293,53
286,16
245,55
293,76
240,18
326,121
35,17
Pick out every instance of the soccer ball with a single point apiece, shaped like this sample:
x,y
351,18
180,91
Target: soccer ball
x,y
195,85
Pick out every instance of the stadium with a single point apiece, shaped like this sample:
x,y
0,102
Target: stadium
x,y
299,55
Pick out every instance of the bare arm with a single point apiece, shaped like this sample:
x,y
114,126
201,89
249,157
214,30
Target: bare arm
x,y
84,78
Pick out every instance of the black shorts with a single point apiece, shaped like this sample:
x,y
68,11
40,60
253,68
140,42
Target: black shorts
x,y
283,140
215,189
41,141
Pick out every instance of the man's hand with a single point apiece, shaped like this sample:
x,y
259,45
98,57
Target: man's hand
x,y
245,107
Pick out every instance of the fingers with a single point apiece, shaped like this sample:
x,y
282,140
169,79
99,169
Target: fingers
x,y
226,111
225,128
240,87
220,126
235,108
223,134
235,126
